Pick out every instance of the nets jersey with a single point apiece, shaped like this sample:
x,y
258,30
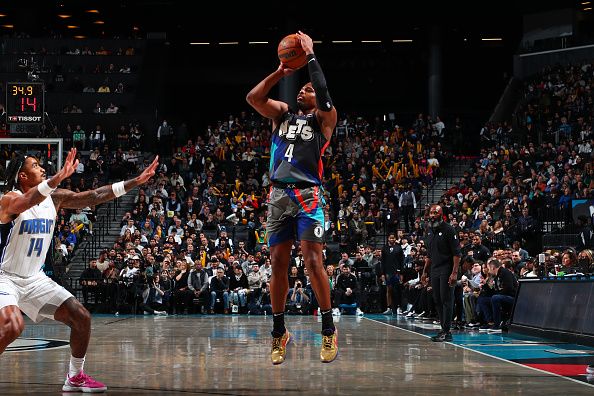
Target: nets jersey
x,y
297,147
25,240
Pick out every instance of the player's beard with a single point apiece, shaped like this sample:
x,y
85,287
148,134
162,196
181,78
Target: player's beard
x,y
436,223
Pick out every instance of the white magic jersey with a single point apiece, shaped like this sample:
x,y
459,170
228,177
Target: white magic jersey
x,y
25,240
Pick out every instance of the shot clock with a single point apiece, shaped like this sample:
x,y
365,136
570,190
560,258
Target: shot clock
x,y
24,102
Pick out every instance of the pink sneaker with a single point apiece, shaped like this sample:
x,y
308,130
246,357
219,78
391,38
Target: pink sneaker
x,y
83,383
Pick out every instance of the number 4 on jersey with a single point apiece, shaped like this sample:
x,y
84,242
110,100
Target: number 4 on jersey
x,y
289,152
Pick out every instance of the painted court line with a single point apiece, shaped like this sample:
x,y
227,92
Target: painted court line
x,y
486,354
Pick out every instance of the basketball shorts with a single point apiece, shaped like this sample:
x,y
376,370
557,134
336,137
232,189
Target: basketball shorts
x,y
295,214
37,296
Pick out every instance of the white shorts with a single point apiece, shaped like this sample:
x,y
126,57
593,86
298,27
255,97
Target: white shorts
x,y
37,296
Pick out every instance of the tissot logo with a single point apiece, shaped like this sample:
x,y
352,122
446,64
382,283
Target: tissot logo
x,y
29,118
24,118
35,344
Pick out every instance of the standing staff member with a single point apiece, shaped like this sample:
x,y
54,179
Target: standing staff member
x,y
391,265
443,258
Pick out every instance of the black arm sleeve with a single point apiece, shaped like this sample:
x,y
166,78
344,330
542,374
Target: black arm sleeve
x,y
319,83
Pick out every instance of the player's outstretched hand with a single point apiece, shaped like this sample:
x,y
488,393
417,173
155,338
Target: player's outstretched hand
x,y
69,167
149,171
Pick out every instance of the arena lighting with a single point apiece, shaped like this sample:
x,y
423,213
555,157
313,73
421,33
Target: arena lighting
x,y
93,11
258,42
64,16
492,39
341,41
72,27
229,43
587,8
8,26
371,41
2,15
99,23
402,41
585,2
317,42
80,37
199,43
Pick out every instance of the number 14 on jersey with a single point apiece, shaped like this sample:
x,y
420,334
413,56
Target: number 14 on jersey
x,y
36,244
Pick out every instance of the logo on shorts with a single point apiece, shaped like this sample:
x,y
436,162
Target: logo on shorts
x,y
35,344
318,231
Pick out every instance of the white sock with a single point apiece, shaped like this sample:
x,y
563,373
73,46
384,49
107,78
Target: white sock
x,y
76,366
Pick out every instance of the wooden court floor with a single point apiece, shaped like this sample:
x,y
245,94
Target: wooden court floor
x,y
229,355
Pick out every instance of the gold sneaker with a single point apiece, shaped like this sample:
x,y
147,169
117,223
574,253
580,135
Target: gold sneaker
x,y
279,348
329,347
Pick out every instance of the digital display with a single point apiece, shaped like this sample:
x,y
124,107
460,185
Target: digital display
x,y
24,102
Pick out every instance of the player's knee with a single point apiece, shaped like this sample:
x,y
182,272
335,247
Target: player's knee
x,y
12,329
81,318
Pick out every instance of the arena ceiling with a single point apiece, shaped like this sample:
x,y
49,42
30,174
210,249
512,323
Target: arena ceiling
x,y
187,21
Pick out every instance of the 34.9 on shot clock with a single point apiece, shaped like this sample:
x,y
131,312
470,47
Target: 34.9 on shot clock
x,y
24,102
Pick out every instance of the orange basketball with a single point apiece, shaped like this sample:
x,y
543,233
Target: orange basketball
x,y
291,53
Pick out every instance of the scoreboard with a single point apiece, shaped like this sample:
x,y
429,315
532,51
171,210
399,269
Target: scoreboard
x,y
25,102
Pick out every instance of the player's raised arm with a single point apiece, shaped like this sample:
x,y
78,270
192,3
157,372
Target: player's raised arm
x,y
27,175
258,96
71,200
326,111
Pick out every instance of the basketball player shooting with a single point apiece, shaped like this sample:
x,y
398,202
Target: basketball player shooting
x,y
27,219
296,203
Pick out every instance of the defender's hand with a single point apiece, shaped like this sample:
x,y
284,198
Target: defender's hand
x,y
70,165
148,172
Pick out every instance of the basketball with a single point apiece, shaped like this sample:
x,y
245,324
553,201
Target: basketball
x,y
290,52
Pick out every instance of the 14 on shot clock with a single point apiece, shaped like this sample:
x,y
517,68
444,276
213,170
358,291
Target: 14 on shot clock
x,y
24,102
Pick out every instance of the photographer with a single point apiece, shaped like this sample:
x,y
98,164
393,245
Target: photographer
x,y
346,291
294,277
152,297
299,301
238,286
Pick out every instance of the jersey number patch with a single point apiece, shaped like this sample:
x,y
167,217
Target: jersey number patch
x,y
289,152
35,245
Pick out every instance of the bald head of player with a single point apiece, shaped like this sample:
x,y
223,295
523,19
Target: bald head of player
x,y
436,215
